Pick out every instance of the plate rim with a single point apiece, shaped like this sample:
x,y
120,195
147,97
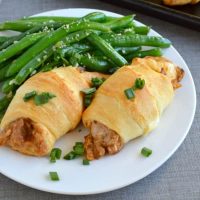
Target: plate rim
x,y
149,171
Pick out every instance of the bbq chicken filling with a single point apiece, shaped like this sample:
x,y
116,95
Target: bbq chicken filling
x,y
25,136
101,141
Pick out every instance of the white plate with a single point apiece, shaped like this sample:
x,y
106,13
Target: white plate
x,y
111,172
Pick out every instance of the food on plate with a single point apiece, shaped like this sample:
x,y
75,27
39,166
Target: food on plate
x,y
95,42
44,108
129,104
179,2
44,100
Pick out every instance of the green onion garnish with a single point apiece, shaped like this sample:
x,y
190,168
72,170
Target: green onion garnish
x,y
29,95
86,162
55,154
43,98
96,82
87,102
146,152
70,156
129,93
89,90
54,176
139,83
78,150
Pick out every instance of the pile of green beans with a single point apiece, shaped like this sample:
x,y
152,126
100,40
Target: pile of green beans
x,y
96,42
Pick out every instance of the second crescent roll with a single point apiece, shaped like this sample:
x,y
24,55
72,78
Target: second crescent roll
x,y
113,119
33,129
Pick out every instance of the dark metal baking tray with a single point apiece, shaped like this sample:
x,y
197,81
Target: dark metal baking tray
x,y
187,15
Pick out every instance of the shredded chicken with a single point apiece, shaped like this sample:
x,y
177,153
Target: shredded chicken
x,y
25,136
101,141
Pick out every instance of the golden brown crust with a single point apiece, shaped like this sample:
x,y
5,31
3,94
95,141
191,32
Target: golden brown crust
x,y
51,120
130,118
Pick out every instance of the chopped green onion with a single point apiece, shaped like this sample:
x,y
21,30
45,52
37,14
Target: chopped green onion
x,y
86,162
54,176
43,98
139,83
55,154
29,95
146,152
78,150
58,153
129,93
89,90
78,144
88,99
96,82
70,156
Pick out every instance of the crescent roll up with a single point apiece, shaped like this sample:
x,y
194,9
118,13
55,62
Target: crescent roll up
x,y
113,119
32,129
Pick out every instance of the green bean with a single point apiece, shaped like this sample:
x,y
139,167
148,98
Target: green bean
x,y
42,19
76,36
107,49
3,39
127,50
51,38
24,25
4,102
120,23
92,63
28,32
3,72
94,16
18,25
31,66
142,54
136,40
19,46
142,30
3,64
8,87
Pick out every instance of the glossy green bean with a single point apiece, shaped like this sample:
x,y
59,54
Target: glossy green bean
x,y
31,66
120,23
35,29
3,72
107,49
51,38
127,50
94,16
19,46
142,54
93,63
136,40
8,87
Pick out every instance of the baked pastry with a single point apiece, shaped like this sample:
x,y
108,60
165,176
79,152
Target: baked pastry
x,y
33,129
113,119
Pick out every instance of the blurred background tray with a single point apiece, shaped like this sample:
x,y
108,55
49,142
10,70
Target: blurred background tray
x,y
187,15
